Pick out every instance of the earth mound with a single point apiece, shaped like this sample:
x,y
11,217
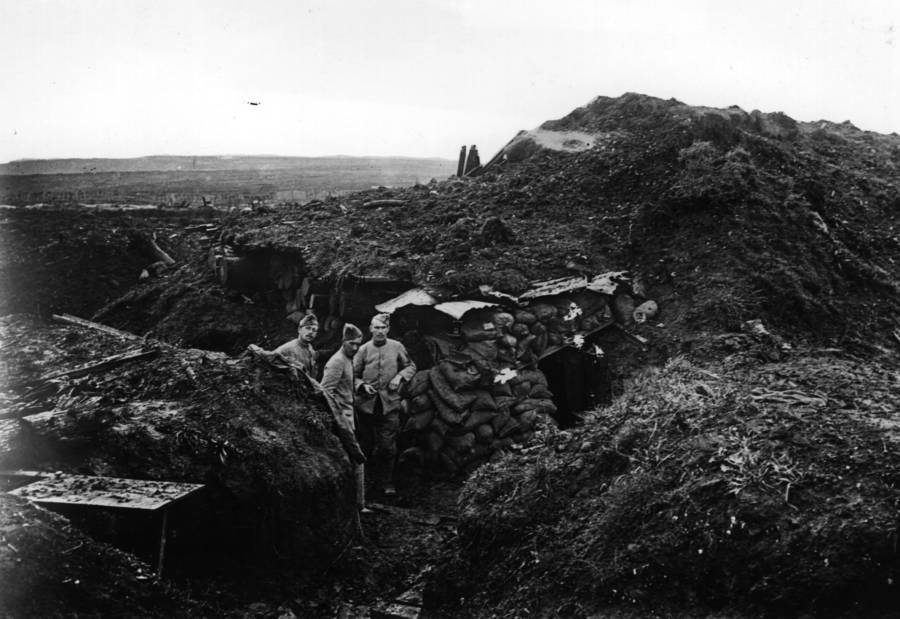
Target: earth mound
x,y
767,488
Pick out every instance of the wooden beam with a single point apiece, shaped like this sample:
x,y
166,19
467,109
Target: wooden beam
x,y
96,326
104,364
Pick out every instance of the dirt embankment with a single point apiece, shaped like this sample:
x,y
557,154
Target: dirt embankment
x,y
767,488
278,484
744,476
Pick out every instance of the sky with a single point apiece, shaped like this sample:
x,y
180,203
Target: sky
x,y
127,78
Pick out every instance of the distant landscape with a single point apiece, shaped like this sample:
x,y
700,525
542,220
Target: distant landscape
x,y
223,181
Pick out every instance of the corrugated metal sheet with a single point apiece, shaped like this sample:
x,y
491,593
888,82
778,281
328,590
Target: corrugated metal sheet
x,y
456,309
415,296
606,283
554,286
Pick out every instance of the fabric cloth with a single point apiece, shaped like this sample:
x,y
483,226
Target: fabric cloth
x,y
381,320
377,365
308,321
351,332
299,353
378,438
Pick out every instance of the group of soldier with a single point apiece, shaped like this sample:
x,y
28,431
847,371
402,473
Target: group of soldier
x,y
363,383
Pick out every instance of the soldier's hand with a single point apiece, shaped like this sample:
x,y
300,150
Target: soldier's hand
x,y
368,389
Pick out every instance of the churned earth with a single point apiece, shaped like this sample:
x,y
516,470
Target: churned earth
x,y
747,466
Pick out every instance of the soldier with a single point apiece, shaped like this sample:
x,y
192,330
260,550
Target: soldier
x,y
380,367
338,384
299,351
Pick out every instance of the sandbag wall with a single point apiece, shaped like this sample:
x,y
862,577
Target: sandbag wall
x,y
458,417
489,394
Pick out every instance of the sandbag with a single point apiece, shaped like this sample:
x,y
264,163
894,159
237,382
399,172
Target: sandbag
x,y
504,402
558,325
461,444
487,350
589,323
477,418
554,339
520,329
525,317
539,344
537,328
522,389
542,311
444,410
523,351
500,420
535,377
415,455
506,357
419,421
540,392
457,400
460,377
484,433
439,426
509,428
420,403
418,385
484,401
542,406
433,441
507,341
501,389
503,321
502,443
527,420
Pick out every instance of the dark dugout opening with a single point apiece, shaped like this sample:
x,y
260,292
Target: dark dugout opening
x,y
579,381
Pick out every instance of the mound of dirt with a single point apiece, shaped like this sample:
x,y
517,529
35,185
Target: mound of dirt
x,y
51,569
278,482
764,488
74,260
722,215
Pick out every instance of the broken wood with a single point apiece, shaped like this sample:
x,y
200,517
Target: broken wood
x,y
159,253
96,326
377,203
104,364
203,227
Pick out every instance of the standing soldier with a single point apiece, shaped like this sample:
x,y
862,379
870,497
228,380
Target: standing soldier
x,y
337,382
380,367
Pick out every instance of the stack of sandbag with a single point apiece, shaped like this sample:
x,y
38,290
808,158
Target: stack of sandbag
x,y
522,336
459,415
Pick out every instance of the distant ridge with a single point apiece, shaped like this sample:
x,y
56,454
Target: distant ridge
x,y
175,163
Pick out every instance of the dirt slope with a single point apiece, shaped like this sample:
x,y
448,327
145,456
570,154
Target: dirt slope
x,y
764,488
722,215
279,485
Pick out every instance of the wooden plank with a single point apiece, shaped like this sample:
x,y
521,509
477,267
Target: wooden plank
x,y
65,489
550,350
10,429
96,326
103,364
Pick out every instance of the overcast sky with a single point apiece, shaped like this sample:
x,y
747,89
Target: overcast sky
x,y
119,78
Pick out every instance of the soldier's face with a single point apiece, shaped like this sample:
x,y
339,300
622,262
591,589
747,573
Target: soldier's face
x,y
379,332
308,333
351,346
